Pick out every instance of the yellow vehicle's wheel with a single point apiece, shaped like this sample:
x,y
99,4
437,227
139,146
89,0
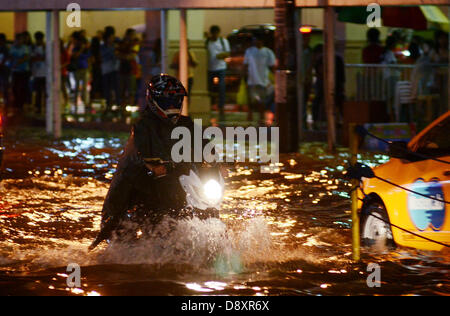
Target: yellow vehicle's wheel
x,y
375,228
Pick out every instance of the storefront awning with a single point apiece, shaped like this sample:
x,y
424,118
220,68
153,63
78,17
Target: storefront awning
x,y
413,17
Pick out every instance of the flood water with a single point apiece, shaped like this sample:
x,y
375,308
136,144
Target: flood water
x,y
278,234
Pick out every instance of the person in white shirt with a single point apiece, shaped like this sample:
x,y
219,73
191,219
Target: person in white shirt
x,y
218,49
258,61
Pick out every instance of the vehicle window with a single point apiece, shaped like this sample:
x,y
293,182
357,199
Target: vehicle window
x,y
436,142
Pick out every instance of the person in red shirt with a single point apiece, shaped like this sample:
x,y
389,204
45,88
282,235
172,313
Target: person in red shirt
x,y
373,52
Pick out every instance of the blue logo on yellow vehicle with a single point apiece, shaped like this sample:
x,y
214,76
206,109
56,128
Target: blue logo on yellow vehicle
x,y
426,212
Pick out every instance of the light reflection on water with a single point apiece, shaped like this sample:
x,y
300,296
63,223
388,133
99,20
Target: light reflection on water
x,y
286,233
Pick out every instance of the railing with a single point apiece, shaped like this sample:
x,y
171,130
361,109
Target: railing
x,y
377,82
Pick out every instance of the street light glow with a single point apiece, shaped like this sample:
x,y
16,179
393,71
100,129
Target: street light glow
x,y
305,29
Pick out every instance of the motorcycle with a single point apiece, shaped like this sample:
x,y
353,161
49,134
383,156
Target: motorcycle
x,y
199,193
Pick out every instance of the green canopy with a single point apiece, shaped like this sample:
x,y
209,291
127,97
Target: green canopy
x,y
356,15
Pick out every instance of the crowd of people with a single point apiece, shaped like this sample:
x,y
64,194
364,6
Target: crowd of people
x,y
114,69
105,67
398,49
429,58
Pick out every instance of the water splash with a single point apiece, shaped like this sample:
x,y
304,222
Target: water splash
x,y
199,244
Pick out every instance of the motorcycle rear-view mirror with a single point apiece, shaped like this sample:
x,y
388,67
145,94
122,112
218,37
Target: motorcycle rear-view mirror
x,y
399,149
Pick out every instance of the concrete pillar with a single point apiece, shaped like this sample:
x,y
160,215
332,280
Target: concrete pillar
x,y
164,42
300,74
199,101
329,75
152,34
20,22
152,25
285,77
56,68
53,78
183,62
49,75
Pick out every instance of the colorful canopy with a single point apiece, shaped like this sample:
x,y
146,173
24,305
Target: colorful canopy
x,y
413,17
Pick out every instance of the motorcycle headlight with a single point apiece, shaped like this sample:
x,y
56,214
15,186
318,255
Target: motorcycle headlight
x,y
212,190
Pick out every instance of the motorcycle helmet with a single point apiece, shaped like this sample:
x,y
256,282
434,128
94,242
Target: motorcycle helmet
x,y
164,96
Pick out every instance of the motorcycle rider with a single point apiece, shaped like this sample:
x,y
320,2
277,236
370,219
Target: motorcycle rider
x,y
145,175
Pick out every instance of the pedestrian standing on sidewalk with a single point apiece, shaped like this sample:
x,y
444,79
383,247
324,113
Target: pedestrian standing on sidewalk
x,y
80,59
65,61
20,67
127,53
38,71
110,71
218,49
28,42
258,61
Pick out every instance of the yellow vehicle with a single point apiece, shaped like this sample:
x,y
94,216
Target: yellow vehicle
x,y
423,167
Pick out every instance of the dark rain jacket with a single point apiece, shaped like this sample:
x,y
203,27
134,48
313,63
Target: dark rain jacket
x,y
131,186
